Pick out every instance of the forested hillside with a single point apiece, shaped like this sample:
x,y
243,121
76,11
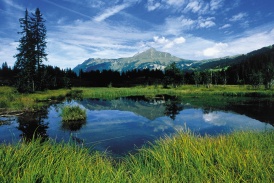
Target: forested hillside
x,y
255,68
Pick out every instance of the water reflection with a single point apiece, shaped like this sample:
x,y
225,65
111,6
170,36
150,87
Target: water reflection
x,y
173,107
123,124
33,125
73,126
261,110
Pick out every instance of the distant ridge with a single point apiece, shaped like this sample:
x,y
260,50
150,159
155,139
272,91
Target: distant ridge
x,y
149,59
153,59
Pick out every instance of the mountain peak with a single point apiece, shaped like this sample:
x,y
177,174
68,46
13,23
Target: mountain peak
x,y
150,50
152,53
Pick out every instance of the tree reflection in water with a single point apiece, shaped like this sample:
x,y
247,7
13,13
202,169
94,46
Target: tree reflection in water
x,y
73,126
173,107
32,125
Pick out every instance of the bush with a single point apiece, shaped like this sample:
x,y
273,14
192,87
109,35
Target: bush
x,y
73,113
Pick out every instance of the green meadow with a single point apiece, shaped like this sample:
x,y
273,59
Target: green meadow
x,y
11,100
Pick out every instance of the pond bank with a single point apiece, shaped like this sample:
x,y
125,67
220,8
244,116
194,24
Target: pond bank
x,y
11,100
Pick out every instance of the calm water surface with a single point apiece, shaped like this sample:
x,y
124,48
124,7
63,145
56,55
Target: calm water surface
x,y
121,125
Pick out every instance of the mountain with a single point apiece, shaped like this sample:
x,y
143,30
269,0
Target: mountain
x,y
153,59
149,59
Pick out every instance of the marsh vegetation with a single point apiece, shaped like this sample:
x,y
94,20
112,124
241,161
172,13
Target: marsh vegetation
x,y
181,157
238,157
73,114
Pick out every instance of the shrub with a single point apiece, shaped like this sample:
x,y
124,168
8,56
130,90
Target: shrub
x,y
73,113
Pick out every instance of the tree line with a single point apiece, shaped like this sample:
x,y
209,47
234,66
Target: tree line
x,y
53,78
253,71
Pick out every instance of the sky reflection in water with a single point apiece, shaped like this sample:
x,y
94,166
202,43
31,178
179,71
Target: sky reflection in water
x,y
121,125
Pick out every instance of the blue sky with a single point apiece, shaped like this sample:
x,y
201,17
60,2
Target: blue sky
x,y
189,29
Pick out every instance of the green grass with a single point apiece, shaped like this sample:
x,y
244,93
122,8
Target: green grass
x,y
238,157
10,99
190,90
73,113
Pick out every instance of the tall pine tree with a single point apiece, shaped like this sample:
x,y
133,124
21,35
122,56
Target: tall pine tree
x,y
25,58
31,54
39,37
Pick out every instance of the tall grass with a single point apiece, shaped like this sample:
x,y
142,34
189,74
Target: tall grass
x,y
238,157
51,162
73,113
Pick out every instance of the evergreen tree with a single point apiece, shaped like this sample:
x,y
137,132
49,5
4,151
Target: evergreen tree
x,y
197,78
25,62
31,54
173,75
39,37
268,75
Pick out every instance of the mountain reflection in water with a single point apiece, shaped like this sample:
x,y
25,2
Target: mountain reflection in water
x,y
123,124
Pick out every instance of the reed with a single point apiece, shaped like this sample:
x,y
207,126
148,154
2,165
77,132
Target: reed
x,y
184,157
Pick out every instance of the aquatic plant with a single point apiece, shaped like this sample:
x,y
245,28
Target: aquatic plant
x,y
73,113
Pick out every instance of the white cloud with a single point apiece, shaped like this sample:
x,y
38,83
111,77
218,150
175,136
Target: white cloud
x,y
166,43
225,26
177,25
245,43
202,7
215,51
235,121
161,40
238,17
214,118
179,40
110,12
216,4
193,6
152,5
206,22
175,2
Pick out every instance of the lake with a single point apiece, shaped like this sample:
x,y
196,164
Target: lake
x,y
121,125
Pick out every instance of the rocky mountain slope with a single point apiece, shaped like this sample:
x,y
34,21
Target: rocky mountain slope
x,y
149,59
153,59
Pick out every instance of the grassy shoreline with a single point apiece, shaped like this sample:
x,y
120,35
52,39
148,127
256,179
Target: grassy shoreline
x,y
11,100
238,157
